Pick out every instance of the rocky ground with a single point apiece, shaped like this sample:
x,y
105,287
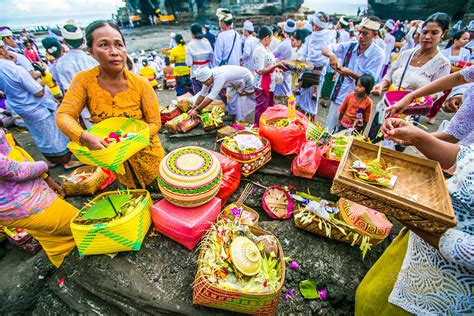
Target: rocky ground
x,y
158,279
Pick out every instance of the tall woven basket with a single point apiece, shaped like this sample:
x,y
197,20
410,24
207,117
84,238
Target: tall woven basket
x,y
123,234
87,187
207,294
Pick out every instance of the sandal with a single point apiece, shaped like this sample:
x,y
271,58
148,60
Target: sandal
x,y
72,164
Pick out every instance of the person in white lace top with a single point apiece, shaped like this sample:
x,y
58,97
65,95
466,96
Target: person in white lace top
x,y
416,67
436,274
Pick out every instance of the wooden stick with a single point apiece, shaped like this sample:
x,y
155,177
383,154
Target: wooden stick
x,y
379,153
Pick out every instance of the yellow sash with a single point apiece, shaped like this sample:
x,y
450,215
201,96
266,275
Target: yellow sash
x,y
19,154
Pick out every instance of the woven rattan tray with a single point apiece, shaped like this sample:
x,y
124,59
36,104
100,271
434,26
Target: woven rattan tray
x,y
417,179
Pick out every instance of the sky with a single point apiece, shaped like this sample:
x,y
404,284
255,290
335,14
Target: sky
x,y
40,8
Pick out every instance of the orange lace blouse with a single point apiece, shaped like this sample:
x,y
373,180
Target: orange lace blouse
x,y
139,101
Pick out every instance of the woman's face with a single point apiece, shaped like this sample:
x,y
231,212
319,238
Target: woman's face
x,y
266,40
296,43
463,40
431,35
108,48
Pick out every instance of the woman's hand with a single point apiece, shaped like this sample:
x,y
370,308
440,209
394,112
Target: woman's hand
x,y
55,186
280,65
400,131
401,105
334,62
193,112
377,89
91,141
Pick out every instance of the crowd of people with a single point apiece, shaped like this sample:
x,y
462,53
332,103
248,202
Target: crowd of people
x,y
87,78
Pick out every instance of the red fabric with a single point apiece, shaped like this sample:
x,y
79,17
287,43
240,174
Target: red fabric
x,y
266,81
350,106
32,55
230,177
438,104
308,160
205,62
286,140
184,225
110,179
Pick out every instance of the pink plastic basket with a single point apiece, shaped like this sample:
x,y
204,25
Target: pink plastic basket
x,y
186,226
392,97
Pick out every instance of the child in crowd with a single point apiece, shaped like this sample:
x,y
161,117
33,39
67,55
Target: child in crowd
x,y
354,112
168,73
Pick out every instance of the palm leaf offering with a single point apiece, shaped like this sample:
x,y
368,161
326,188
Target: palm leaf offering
x,y
236,259
374,171
109,208
243,143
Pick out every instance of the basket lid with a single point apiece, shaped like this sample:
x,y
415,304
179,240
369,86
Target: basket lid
x,y
366,219
189,167
245,256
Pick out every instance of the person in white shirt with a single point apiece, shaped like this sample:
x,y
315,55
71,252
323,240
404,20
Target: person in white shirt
x,y
275,40
236,78
357,58
228,46
283,52
470,45
74,61
389,40
320,38
172,43
247,30
6,35
249,46
198,54
455,51
342,27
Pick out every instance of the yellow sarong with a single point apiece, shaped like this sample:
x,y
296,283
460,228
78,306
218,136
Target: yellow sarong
x,y
51,227
374,290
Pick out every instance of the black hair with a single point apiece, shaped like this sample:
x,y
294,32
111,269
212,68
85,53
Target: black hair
x,y
97,25
196,30
264,32
440,18
145,62
456,37
228,22
367,81
167,60
300,34
38,67
179,39
135,59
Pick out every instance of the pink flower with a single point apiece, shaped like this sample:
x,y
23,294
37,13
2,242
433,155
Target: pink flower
x,y
291,292
322,293
294,265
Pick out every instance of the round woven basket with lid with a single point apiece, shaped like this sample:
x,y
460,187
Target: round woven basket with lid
x,y
189,176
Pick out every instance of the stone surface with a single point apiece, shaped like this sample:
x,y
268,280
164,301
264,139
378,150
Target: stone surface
x,y
158,279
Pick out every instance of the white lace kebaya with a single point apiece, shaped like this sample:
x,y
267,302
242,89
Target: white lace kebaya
x,y
433,282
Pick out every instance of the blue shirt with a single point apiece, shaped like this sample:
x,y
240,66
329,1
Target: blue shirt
x,y
22,61
20,88
371,61
71,63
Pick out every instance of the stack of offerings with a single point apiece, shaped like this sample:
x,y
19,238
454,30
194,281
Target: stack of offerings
x,y
347,221
250,150
241,267
169,112
112,222
189,179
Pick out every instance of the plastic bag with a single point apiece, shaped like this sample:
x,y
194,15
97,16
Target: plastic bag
x,y
284,140
308,160
230,177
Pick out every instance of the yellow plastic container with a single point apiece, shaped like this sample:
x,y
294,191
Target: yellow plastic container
x,y
115,155
123,234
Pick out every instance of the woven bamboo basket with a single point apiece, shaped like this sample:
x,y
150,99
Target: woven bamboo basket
x,y
249,163
115,155
338,230
417,179
208,294
87,187
123,234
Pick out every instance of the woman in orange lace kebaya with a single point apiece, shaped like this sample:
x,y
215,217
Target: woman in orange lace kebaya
x,y
110,90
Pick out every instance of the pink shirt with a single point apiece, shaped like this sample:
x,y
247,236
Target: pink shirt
x,y
22,190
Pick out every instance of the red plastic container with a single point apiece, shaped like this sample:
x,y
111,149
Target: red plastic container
x,y
392,97
327,168
186,226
